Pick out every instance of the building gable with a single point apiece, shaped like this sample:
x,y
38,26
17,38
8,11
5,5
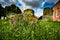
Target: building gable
x,y
58,3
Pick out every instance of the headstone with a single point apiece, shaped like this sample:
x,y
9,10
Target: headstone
x,y
2,17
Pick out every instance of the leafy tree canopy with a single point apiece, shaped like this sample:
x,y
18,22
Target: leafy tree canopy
x,y
13,8
29,12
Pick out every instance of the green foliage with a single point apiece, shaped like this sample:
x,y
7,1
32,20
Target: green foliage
x,y
29,12
1,7
13,8
9,9
23,30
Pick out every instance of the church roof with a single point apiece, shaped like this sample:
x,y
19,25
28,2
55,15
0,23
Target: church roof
x,y
56,3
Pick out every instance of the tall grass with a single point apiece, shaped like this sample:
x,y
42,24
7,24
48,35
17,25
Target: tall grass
x,y
23,30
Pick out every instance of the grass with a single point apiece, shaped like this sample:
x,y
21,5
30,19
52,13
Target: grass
x,y
43,30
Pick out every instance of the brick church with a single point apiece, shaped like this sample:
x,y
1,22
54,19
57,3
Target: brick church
x,y
56,12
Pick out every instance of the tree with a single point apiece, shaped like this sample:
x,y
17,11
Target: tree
x,y
40,18
13,8
29,12
1,7
29,16
8,9
2,13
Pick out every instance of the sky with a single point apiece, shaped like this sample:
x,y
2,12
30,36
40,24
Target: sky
x,y
36,5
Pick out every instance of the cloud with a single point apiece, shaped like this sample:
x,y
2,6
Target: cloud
x,y
32,3
3,4
1,0
6,2
24,7
51,1
25,4
38,12
9,2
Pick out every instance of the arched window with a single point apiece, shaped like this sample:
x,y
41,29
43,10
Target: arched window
x,y
58,12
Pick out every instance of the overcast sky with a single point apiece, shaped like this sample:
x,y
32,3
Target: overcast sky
x,y
36,5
